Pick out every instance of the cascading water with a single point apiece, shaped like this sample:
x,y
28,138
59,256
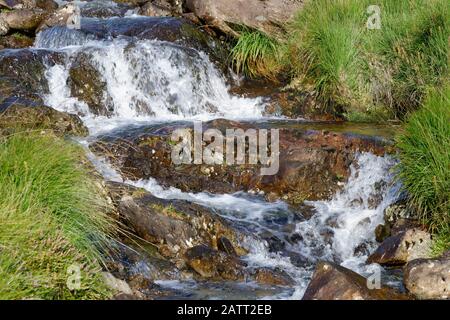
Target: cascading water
x,y
151,80
341,230
144,80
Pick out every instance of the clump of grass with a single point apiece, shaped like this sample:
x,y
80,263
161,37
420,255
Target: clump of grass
x,y
333,53
51,217
424,167
256,55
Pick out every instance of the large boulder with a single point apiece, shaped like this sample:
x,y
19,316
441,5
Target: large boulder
x,y
428,278
22,72
86,84
333,282
23,19
402,248
313,164
173,226
268,16
16,41
17,116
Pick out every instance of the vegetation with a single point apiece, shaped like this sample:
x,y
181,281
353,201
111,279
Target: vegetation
x,y
51,218
425,163
368,74
256,55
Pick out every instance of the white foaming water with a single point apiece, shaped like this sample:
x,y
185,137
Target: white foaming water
x,y
148,80
346,223
337,229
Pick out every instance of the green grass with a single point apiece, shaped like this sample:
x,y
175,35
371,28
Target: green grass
x,y
366,75
51,217
256,55
424,166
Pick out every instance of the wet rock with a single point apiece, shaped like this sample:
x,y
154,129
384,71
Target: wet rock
x,y
382,232
153,10
333,282
100,9
172,226
215,265
116,285
428,278
171,29
267,16
399,210
306,171
16,41
17,116
29,4
86,83
275,244
23,19
4,27
225,245
22,72
271,277
403,247
48,5
67,15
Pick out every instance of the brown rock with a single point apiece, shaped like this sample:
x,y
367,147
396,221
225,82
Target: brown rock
x,y
428,278
172,226
86,84
24,19
41,118
213,264
333,282
307,172
403,247
153,10
270,277
268,16
16,41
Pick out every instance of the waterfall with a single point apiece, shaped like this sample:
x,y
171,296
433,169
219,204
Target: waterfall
x,y
144,80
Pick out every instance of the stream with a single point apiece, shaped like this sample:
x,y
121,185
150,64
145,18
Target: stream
x,y
147,81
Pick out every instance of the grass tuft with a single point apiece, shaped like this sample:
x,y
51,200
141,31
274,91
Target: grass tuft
x,y
424,166
256,55
51,217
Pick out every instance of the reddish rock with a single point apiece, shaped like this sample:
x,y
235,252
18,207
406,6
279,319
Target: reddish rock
x,y
333,282
403,247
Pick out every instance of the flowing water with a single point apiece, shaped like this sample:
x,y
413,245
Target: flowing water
x,y
151,81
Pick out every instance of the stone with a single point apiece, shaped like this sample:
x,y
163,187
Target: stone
x,y
225,245
173,226
153,10
333,282
398,210
215,265
24,19
306,171
86,84
271,277
382,232
4,27
66,15
16,41
428,278
403,247
116,285
268,16
41,118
